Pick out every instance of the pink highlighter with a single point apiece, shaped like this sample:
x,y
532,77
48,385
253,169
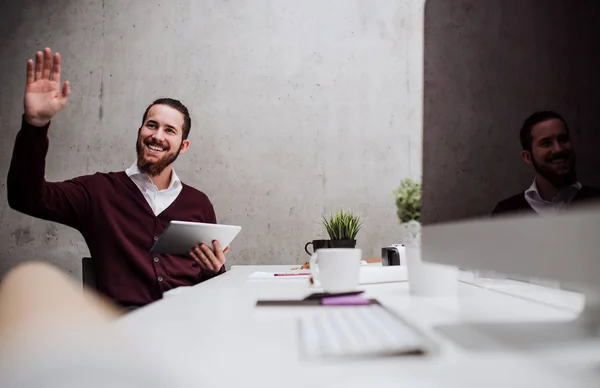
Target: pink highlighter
x,y
345,300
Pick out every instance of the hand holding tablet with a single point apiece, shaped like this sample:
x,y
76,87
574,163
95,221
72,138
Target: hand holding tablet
x,y
180,237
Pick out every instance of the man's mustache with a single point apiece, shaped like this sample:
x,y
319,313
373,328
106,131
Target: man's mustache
x,y
559,155
150,142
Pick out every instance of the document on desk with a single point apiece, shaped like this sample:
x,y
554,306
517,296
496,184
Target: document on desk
x,y
280,275
368,274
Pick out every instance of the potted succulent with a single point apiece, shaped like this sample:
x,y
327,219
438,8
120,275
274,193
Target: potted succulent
x,y
408,204
342,228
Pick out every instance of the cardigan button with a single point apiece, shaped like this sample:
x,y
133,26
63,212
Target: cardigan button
x,y
160,278
156,259
155,238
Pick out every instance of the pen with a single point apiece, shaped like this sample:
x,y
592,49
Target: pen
x,y
291,274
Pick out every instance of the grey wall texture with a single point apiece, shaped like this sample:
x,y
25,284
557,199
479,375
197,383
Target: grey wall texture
x,y
487,66
299,108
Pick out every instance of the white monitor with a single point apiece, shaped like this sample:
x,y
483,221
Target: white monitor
x,y
488,66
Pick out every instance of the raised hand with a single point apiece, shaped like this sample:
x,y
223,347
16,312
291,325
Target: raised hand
x,y
44,96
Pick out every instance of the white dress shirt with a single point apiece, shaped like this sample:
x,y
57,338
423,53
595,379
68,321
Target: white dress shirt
x,y
557,204
158,200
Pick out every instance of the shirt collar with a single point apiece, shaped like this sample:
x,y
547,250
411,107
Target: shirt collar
x,y
134,172
565,194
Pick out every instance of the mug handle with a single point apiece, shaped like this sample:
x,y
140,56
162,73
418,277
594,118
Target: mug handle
x,y
314,272
306,247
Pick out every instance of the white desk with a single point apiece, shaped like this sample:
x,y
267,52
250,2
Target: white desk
x,y
213,335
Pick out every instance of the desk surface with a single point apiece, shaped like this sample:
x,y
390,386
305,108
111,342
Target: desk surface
x,y
213,335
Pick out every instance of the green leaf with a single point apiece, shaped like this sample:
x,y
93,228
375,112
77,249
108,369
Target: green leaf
x,y
342,225
408,200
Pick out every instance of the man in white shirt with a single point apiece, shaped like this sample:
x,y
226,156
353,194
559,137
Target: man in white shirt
x,y
119,232
547,147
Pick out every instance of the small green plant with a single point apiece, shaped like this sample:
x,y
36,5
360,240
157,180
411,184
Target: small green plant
x,y
408,200
344,225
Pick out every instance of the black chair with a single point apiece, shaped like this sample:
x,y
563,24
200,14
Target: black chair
x,y
89,276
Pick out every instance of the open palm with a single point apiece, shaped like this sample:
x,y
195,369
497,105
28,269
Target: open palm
x,y
44,96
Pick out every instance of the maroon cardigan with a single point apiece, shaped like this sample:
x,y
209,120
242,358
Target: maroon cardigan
x,y
114,218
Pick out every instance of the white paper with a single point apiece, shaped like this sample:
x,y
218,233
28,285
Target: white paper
x,y
281,275
368,274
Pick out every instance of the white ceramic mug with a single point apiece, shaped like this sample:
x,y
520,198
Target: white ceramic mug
x,y
336,269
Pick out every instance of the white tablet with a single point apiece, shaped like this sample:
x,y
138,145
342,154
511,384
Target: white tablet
x,y
179,237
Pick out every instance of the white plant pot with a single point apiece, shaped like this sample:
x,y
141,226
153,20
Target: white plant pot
x,y
411,234
425,279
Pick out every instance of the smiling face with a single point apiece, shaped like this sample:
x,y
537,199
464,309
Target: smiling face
x,y
552,154
160,139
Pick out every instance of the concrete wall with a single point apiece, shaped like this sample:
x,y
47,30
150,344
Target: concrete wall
x,y
488,65
298,108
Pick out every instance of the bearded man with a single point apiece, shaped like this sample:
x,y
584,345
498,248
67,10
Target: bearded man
x,y
547,147
119,214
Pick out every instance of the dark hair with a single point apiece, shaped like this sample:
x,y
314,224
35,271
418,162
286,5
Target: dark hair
x,y
175,104
532,121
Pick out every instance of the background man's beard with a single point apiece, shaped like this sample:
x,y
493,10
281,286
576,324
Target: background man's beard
x,y
153,168
557,180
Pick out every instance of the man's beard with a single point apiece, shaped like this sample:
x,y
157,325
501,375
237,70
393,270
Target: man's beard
x,y
557,180
153,168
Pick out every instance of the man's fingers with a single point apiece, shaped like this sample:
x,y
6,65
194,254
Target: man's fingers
x,y
65,93
66,90
217,246
38,65
47,63
194,256
198,259
199,252
56,68
219,253
226,249
29,71
205,253
208,260
213,260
